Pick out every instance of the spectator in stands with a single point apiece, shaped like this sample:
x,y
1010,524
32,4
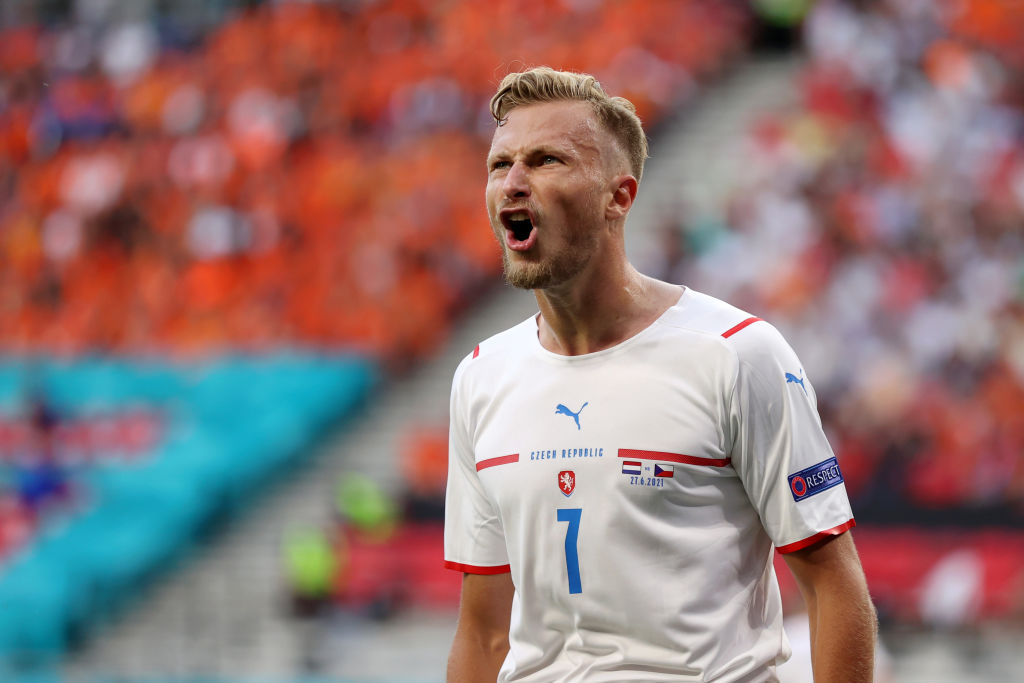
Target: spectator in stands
x,y
42,479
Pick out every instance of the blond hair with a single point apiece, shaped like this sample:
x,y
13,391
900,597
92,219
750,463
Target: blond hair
x,y
544,84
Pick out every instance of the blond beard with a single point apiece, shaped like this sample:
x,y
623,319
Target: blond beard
x,y
551,271
528,275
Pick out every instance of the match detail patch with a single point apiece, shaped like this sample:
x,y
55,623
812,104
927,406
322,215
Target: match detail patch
x,y
815,479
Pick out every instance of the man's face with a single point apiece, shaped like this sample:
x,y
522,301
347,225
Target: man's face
x,y
547,186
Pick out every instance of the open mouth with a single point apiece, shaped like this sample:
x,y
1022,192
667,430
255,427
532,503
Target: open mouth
x,y
520,227
520,232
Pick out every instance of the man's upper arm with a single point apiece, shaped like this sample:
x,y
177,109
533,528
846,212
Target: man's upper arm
x,y
826,565
843,624
481,637
487,602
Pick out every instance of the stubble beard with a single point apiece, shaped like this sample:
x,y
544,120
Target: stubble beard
x,y
553,269
529,275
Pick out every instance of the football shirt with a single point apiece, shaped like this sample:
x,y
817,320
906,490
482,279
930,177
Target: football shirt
x,y
635,495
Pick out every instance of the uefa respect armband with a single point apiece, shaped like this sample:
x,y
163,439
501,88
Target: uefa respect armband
x,y
815,479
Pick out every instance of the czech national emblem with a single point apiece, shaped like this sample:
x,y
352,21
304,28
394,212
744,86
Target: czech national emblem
x,y
567,482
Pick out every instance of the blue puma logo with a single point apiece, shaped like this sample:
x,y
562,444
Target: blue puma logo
x,y
562,410
790,377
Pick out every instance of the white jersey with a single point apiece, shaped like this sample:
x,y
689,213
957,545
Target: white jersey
x,y
635,494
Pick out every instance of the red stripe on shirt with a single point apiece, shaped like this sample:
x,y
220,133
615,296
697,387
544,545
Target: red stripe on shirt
x,y
476,351
733,330
473,569
673,457
500,460
820,536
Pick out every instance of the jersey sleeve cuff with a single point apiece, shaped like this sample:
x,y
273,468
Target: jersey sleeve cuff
x,y
820,536
475,569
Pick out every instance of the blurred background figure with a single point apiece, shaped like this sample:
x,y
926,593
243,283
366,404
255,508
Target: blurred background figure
x,y
243,247
42,479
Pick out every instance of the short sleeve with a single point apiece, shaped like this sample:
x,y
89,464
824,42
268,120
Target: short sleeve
x,y
474,541
780,451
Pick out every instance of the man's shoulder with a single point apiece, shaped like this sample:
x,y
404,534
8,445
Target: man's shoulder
x,y
500,348
747,335
699,312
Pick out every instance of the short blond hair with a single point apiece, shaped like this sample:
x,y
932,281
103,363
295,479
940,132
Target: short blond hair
x,y
544,84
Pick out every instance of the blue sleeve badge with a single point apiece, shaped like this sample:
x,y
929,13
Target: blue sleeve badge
x,y
815,479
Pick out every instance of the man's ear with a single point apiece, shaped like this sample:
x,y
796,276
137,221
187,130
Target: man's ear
x,y
623,194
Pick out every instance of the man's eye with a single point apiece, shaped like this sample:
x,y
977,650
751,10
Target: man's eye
x,y
497,165
548,159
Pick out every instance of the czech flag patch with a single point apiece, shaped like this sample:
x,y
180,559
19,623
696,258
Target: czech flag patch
x,y
661,470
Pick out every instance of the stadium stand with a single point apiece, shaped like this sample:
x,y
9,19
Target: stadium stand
x,y
302,176
889,204
180,211
229,426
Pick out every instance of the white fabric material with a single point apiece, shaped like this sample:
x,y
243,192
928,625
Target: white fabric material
x,y
675,573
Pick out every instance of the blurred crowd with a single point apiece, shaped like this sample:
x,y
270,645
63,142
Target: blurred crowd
x,y
291,174
306,174
311,174
880,225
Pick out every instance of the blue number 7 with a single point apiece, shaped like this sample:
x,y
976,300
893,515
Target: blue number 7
x,y
572,557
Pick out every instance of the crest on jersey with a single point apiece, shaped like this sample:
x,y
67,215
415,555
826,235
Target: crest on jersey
x,y
567,482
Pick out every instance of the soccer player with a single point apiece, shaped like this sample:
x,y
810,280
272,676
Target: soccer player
x,y
622,463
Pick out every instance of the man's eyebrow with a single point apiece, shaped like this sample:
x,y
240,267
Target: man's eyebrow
x,y
538,150
559,150
496,156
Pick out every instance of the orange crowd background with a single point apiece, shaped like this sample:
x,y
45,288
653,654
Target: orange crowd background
x,y
306,175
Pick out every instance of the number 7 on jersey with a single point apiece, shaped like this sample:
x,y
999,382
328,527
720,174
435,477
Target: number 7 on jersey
x,y
572,556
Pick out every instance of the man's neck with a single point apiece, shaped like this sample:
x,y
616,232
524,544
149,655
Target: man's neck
x,y
603,311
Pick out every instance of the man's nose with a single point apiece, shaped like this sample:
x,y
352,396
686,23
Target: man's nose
x,y
517,182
